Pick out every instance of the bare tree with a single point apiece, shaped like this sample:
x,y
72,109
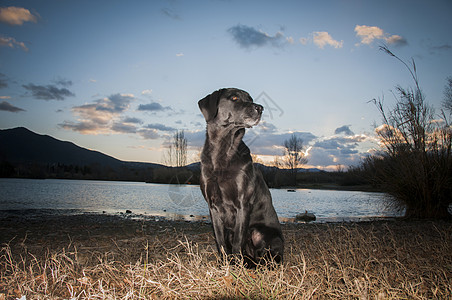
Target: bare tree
x,y
176,155
294,156
447,102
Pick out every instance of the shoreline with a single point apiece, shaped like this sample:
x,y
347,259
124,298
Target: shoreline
x,y
172,217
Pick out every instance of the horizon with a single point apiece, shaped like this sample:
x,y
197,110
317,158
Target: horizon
x,y
122,78
161,163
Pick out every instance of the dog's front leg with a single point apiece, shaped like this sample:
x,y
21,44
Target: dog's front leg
x,y
240,230
218,229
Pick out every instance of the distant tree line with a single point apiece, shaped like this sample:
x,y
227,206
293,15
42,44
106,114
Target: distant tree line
x,y
274,177
72,171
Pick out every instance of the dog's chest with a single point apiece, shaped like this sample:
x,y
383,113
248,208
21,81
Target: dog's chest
x,y
234,185
227,171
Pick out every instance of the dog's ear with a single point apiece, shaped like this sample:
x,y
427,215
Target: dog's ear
x,y
209,105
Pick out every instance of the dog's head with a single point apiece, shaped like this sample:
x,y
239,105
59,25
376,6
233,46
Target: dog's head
x,y
231,106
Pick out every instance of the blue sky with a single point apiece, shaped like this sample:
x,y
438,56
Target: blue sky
x,y
121,76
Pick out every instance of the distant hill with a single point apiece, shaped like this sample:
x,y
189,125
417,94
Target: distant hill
x,y
20,145
312,170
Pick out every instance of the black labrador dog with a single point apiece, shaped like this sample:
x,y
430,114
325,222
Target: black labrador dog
x,y
243,217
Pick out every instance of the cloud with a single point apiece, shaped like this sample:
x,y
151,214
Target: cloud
x,y
124,127
116,103
106,116
149,134
396,40
153,106
12,43
265,143
195,139
133,120
17,16
127,124
368,34
322,152
267,127
6,106
333,151
146,92
436,49
323,38
84,127
103,116
63,82
48,92
160,127
388,132
344,129
444,47
304,41
249,37
170,14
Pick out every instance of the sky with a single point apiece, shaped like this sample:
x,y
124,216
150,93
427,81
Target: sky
x,y
121,77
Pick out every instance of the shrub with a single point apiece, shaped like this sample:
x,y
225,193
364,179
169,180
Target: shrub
x,y
415,164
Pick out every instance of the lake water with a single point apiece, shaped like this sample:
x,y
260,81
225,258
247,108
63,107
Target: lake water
x,y
176,201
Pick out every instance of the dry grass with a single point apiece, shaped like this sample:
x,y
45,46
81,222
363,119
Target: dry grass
x,y
380,260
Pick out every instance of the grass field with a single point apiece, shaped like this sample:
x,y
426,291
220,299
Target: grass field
x,y
108,257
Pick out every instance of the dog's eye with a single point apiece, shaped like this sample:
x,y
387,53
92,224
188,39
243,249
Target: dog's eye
x,y
234,98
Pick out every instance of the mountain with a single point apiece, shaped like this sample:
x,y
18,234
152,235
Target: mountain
x,y
20,145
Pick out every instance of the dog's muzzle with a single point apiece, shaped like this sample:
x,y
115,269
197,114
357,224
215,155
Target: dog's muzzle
x,y
259,108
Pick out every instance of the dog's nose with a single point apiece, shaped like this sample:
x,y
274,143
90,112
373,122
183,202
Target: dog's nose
x,y
258,107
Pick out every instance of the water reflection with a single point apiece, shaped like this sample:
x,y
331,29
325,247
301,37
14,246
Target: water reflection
x,y
181,202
